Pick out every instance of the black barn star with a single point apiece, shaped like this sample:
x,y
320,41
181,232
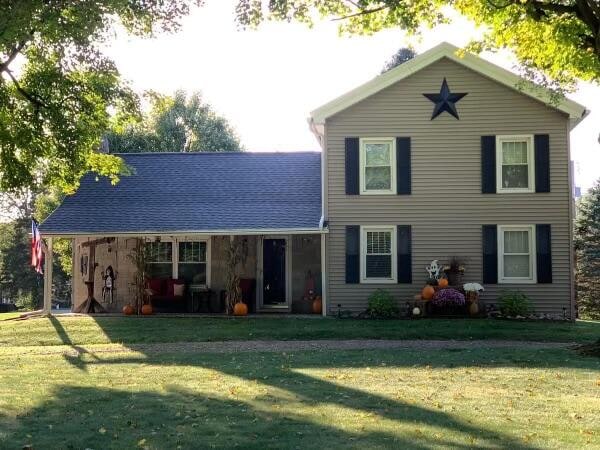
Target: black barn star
x,y
444,101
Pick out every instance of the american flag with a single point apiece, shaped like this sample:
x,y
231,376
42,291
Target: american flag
x,y
37,254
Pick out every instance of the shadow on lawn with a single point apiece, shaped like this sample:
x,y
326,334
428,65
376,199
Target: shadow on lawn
x,y
223,419
83,417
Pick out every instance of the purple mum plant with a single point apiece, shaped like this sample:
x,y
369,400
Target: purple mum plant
x,y
448,297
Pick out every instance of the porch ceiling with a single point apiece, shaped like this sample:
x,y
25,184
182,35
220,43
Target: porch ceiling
x,y
213,193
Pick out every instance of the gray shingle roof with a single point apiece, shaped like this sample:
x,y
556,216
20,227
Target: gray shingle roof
x,y
181,192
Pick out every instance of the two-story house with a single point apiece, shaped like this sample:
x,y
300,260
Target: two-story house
x,y
443,156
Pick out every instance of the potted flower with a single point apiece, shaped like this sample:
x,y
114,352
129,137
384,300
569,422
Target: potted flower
x,y
454,271
448,301
472,291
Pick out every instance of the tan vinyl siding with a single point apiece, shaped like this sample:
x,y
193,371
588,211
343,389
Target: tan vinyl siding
x,y
446,208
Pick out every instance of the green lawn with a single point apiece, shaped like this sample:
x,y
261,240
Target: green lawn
x,y
483,398
77,397
100,330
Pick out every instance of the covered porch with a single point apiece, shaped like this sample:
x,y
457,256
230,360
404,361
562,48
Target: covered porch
x,y
280,272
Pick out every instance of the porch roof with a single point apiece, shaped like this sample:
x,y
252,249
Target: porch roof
x,y
197,193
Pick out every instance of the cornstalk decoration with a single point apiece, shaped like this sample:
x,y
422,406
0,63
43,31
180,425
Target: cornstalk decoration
x,y
237,252
138,257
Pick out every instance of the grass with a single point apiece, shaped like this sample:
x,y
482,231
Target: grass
x,y
77,397
352,399
101,330
9,315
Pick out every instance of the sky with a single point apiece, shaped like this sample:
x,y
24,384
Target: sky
x,y
266,81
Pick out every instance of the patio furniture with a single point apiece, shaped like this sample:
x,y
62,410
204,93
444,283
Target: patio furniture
x,y
165,295
199,299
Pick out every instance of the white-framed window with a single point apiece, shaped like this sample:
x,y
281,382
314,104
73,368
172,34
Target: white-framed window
x,y
192,262
516,254
378,254
377,165
159,259
515,169
186,258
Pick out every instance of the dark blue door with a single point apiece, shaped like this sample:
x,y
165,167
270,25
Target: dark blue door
x,y
273,272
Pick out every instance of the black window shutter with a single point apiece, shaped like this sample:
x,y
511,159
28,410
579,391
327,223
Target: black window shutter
x,y
542,162
490,254
352,254
488,164
543,241
404,244
352,165
403,180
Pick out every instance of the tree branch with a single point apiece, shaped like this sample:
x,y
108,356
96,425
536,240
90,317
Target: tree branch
x,y
362,12
12,55
34,99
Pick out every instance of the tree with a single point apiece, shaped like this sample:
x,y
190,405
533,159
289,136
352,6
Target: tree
x,y
57,88
400,57
18,281
587,247
174,124
559,39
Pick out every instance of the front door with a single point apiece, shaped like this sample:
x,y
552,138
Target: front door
x,y
274,272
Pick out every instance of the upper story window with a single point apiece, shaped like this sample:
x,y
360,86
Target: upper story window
x,y
515,164
516,254
377,166
378,253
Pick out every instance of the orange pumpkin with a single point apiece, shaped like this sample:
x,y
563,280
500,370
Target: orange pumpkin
x,y
147,310
240,309
427,292
443,282
317,305
128,310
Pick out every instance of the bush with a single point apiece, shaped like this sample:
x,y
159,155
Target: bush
x,y
382,305
514,303
25,301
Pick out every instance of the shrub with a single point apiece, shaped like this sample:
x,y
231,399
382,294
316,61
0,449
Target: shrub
x,y
25,301
382,305
514,303
448,297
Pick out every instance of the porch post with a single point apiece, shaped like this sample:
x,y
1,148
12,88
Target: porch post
x,y
48,277
323,276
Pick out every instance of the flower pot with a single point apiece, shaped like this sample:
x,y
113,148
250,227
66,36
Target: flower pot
x,y
147,310
474,309
455,278
472,296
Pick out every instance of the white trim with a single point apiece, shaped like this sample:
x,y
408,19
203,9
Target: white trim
x,y
528,138
362,164
363,254
532,255
175,253
323,275
287,306
575,111
149,233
